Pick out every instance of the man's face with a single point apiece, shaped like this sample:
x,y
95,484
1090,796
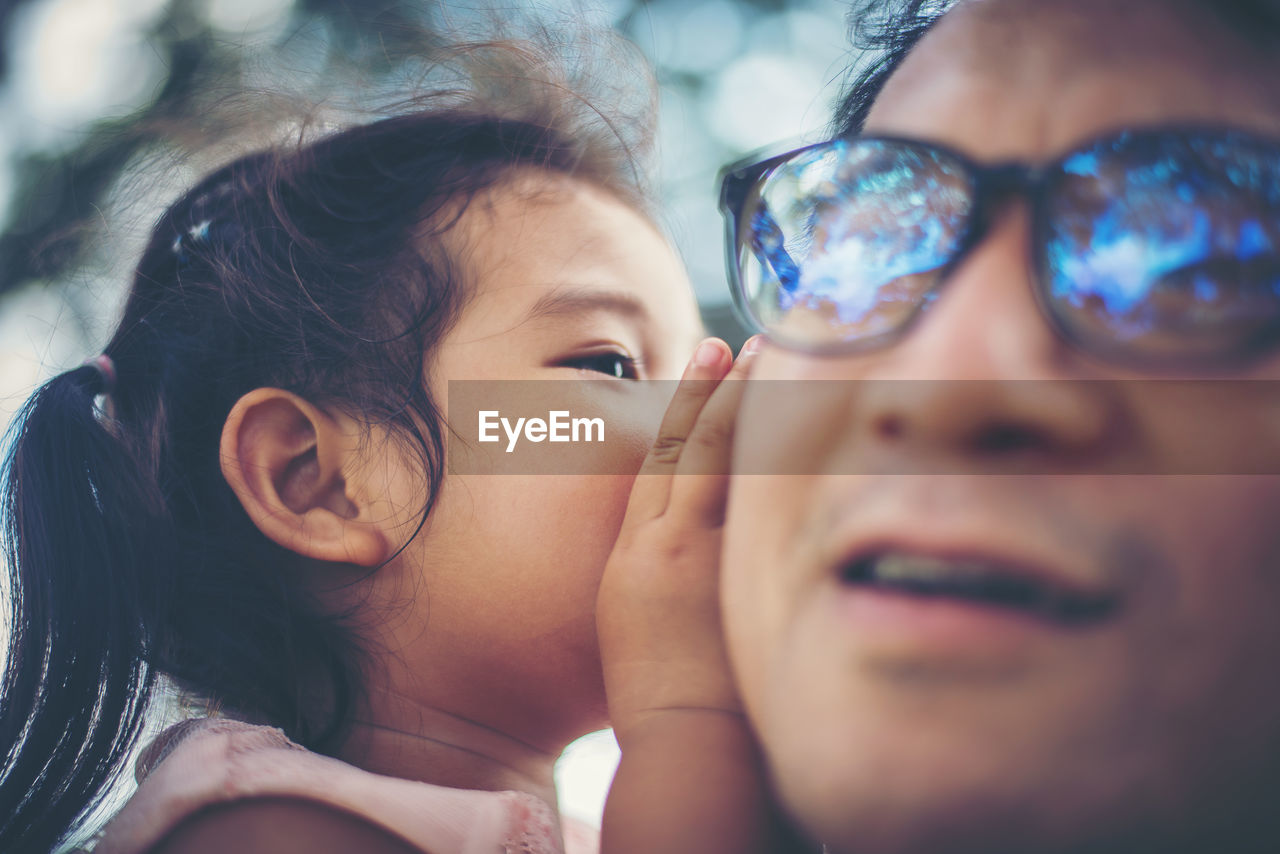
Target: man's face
x,y
896,722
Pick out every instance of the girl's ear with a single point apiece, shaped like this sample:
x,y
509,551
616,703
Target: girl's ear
x,y
288,462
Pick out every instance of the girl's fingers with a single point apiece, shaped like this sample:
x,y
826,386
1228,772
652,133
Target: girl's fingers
x,y
698,493
652,487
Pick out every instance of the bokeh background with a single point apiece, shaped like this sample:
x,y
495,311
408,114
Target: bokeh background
x,y
108,108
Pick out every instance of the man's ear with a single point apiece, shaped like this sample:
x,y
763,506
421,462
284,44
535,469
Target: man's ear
x,y
286,460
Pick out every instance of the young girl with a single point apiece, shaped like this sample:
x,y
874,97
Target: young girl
x,y
246,493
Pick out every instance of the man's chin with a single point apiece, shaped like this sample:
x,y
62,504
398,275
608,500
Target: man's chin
x,y
892,784
888,795
946,817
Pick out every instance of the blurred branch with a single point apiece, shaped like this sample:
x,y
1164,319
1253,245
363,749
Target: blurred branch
x,y
57,196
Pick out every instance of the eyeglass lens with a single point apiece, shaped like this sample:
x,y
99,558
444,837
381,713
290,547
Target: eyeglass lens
x,y
1165,246
1157,245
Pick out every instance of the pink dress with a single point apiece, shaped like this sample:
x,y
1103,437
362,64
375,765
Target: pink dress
x,y
207,761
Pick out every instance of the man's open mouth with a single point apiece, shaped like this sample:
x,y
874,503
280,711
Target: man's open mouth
x,y
980,582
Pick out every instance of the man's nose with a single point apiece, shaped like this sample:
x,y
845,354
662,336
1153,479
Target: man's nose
x,y
985,323
983,373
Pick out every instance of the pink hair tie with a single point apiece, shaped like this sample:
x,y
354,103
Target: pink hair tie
x,y
106,369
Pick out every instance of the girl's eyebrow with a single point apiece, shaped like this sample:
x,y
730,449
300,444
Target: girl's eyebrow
x,y
580,300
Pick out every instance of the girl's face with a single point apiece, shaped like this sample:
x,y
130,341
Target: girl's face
x,y
491,608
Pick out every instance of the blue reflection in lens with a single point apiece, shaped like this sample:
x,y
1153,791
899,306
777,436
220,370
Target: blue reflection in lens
x,y
1253,239
770,245
858,232
1169,241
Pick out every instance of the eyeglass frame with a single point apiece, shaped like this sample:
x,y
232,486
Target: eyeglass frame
x,y
994,184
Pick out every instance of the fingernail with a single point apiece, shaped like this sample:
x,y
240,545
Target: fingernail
x,y
753,345
708,354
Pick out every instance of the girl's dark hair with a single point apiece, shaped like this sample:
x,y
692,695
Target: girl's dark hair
x,y
311,268
887,30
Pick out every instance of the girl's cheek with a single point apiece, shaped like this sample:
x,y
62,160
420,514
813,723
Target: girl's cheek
x,y
600,477
623,425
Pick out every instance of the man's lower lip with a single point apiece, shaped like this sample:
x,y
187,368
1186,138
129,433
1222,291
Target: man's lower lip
x,y
942,622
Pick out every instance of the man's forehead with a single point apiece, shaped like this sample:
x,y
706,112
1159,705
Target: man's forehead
x,y
1114,27
1052,72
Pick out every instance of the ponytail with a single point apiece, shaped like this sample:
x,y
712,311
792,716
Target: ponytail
x,y
74,510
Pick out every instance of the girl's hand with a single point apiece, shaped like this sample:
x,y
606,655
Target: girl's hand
x,y
691,779
658,612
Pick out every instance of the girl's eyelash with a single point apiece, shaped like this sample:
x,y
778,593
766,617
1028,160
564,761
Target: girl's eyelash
x,y
610,364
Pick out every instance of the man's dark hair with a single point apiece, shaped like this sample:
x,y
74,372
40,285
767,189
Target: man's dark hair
x,y
886,30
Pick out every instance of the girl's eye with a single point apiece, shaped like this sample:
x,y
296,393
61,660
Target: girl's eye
x,y
610,364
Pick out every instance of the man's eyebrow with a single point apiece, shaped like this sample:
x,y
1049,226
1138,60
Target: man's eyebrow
x,y
579,300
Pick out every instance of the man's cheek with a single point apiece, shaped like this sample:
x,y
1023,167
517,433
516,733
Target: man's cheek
x,y
756,570
795,427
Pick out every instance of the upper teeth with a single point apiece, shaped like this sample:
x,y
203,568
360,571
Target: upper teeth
x,y
902,567
977,580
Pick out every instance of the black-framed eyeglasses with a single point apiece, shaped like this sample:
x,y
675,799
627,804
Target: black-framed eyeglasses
x,y
1155,247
